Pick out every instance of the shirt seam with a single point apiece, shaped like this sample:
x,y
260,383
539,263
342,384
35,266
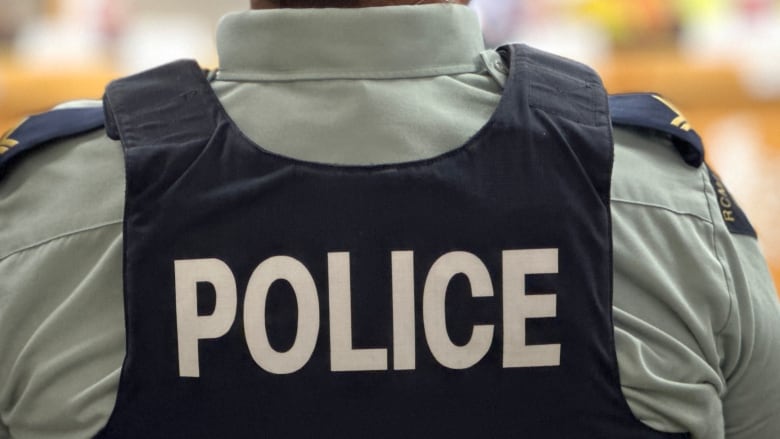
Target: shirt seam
x,y
237,75
661,207
58,237
715,250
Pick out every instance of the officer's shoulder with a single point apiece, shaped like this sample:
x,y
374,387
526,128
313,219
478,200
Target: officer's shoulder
x,y
659,163
71,179
40,130
655,115
657,151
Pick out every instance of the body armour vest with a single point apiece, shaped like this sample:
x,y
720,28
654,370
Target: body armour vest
x,y
467,295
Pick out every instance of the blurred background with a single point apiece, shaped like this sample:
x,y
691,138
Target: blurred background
x,y
718,60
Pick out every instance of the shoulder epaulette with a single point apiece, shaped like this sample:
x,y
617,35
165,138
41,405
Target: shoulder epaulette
x,y
652,111
46,127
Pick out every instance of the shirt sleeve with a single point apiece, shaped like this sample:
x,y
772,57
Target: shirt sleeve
x,y
751,360
696,321
61,348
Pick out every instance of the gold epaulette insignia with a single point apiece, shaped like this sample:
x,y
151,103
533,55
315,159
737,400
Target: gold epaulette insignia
x,y
6,142
680,121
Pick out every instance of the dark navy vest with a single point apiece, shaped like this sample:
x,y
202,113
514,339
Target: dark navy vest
x,y
466,295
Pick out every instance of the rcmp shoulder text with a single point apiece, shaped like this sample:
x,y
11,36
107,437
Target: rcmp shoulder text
x,y
724,199
733,215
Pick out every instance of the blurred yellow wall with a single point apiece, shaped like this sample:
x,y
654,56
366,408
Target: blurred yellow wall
x,y
28,91
742,133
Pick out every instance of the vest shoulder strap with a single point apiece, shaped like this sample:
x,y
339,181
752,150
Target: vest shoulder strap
x,y
564,98
560,86
164,106
653,112
41,129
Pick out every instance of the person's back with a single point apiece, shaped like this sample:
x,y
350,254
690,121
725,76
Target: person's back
x,y
695,316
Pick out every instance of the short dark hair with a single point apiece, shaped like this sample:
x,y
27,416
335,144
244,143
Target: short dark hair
x,y
318,3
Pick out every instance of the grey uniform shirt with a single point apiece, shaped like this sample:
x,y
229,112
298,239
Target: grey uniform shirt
x,y
697,322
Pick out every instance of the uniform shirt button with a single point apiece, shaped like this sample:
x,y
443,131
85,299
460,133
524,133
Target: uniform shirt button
x,y
501,67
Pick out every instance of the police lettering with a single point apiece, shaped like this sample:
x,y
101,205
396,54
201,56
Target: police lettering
x,y
518,306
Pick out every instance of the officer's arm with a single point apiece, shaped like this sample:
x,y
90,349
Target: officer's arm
x,y
751,345
696,318
60,277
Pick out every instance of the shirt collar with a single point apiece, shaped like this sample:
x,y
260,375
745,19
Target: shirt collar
x,y
389,42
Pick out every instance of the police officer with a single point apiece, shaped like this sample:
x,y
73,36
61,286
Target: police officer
x,y
365,224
